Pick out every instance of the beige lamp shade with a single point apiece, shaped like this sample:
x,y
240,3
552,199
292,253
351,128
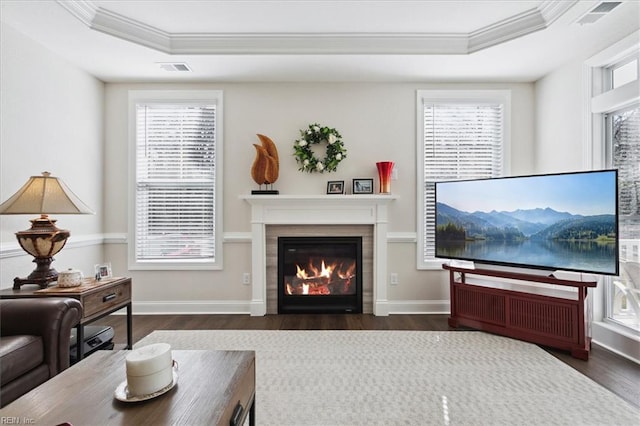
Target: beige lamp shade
x,y
44,195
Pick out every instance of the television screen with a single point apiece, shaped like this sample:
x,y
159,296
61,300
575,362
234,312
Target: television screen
x,y
566,221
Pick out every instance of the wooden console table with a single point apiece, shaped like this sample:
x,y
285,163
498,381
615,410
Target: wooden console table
x,y
214,388
538,314
98,299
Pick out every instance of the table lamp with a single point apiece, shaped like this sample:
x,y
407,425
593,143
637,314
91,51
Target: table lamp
x,y
43,195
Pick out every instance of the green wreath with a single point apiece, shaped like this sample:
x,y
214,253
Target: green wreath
x,y
315,134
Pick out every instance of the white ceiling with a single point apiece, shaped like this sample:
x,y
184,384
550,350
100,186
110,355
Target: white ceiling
x,y
322,40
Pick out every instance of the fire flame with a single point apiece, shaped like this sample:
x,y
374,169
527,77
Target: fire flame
x,y
333,278
323,272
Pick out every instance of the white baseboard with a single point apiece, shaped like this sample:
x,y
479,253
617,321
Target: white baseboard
x,y
616,339
439,307
193,307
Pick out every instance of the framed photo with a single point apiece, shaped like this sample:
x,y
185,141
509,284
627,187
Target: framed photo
x,y
363,186
103,270
335,187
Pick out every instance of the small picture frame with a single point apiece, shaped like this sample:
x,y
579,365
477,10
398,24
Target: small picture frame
x,y
363,186
103,270
335,187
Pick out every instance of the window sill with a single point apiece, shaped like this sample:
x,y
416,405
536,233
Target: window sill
x,y
431,265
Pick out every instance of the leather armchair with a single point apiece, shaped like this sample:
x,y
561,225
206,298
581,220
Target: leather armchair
x,y
34,342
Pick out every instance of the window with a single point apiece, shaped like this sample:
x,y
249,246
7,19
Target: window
x,y
176,155
461,135
615,135
623,149
623,73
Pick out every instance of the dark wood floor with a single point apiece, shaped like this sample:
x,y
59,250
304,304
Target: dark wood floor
x,y
612,371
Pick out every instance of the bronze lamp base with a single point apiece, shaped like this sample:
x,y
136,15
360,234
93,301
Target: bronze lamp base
x,y
42,241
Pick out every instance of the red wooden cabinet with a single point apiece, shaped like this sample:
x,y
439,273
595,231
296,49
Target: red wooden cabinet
x,y
551,312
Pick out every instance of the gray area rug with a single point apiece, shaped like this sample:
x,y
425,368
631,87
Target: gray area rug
x,y
409,378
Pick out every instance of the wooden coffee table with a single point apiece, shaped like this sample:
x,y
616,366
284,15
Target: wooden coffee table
x,y
214,388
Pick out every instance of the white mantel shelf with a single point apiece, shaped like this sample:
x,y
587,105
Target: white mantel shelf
x,y
318,210
281,197
365,199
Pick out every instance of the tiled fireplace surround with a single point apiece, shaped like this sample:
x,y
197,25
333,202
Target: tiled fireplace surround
x,y
273,216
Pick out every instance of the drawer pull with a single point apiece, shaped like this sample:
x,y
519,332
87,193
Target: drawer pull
x,y
109,297
237,415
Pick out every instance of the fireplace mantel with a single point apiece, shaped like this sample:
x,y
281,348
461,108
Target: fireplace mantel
x,y
318,210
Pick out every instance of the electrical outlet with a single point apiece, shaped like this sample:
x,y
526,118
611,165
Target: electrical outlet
x,y
394,278
246,278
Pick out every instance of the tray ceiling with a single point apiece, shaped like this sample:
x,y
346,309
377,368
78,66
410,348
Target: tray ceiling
x,y
327,40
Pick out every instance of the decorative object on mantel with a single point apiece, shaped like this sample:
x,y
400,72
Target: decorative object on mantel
x,y
266,166
362,186
385,168
335,187
315,134
43,195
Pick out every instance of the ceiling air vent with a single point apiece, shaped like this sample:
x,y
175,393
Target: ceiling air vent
x,y
598,12
174,66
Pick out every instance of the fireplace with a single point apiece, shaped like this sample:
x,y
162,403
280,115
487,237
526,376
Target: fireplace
x,y
275,216
319,275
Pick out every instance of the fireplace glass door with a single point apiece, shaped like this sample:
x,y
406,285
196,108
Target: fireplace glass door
x,y
319,275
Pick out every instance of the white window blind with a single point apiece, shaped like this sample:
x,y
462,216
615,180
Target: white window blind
x,y
625,156
462,139
175,203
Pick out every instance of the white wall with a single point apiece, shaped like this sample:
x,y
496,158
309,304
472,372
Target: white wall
x,y
57,118
377,122
51,120
559,117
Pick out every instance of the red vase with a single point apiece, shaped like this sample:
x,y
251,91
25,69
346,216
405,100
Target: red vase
x,y
384,172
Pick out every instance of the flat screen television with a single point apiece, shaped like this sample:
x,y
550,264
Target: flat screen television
x,y
563,221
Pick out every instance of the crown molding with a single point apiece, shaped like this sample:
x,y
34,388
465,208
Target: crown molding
x,y
553,9
318,44
519,25
83,10
116,25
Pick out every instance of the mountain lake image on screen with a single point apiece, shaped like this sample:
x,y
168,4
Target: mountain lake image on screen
x,y
564,221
